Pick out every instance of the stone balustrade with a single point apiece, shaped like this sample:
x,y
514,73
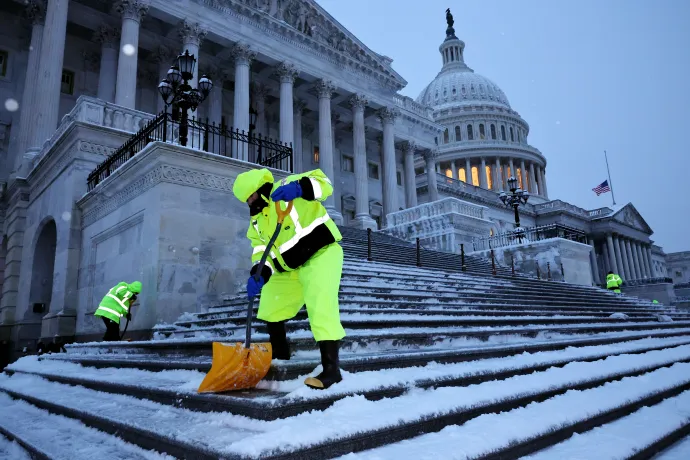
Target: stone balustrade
x,y
455,147
96,112
558,205
437,208
411,105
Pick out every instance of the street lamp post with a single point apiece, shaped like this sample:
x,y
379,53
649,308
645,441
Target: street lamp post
x,y
515,199
175,89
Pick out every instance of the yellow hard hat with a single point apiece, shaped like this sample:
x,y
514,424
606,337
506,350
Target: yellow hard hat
x,y
249,182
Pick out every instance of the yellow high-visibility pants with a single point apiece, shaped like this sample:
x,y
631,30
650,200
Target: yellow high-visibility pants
x,y
316,284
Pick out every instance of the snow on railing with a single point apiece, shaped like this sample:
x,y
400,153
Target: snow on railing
x,y
410,105
436,208
529,235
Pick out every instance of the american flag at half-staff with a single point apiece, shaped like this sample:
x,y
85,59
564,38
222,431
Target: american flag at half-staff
x,y
602,188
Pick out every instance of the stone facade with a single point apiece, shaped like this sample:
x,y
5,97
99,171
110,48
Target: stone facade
x,y
678,266
167,217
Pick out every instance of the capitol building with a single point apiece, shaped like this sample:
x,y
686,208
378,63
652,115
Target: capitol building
x,y
100,184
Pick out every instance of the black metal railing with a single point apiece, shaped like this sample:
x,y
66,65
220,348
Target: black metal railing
x,y
529,235
204,136
681,285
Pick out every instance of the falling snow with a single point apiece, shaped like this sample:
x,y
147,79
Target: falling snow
x,y
11,105
129,50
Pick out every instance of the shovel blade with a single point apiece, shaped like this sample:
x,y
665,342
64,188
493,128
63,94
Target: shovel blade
x,y
235,367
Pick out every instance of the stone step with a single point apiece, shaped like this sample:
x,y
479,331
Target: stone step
x,y
271,405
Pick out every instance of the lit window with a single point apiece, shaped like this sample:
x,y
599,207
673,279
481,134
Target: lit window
x,y
348,164
316,154
462,175
503,132
475,175
489,181
470,133
373,171
398,176
449,173
482,133
3,63
493,131
67,85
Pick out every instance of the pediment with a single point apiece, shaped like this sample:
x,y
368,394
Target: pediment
x,y
628,215
313,24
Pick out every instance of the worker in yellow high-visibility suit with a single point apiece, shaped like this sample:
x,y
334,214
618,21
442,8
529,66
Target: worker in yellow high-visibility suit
x,y
305,263
613,282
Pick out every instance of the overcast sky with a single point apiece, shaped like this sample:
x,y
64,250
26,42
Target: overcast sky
x,y
587,75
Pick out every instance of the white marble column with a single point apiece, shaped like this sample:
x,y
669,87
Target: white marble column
x,y
643,263
532,180
109,38
454,170
36,12
410,177
650,260
612,259
259,94
498,171
243,57
389,183
337,189
126,91
624,259
215,97
545,192
324,91
629,258
287,74
635,260
482,174
606,259
512,169
593,259
46,99
468,172
297,149
362,217
619,259
523,176
432,186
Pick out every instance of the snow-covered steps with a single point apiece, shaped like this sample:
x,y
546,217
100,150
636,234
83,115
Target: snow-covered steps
x,y
356,423
287,398
548,420
10,449
678,451
168,355
39,434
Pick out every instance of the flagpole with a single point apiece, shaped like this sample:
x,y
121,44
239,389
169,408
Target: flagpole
x,y
609,173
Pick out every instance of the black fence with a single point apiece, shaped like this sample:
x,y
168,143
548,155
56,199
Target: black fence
x,y
205,136
529,235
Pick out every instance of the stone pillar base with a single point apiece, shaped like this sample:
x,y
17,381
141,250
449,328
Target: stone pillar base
x,y
365,222
60,324
26,334
335,215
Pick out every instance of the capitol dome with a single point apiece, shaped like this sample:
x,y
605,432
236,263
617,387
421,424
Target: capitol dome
x,y
484,142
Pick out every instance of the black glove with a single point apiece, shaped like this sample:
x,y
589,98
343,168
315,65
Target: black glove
x,y
129,316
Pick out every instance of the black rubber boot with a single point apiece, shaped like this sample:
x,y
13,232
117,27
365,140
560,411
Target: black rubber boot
x,y
279,342
331,366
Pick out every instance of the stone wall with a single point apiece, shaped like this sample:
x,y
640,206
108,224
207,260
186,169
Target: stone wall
x,y
548,255
662,292
168,218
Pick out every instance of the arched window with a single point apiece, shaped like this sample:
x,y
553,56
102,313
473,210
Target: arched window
x,y
462,175
449,173
470,133
445,136
493,131
503,132
482,133
475,175
489,180
519,136
512,138
458,136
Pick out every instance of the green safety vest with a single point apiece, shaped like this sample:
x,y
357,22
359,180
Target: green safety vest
x,y
613,281
305,230
115,304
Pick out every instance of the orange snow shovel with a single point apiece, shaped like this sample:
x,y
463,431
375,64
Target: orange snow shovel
x,y
241,366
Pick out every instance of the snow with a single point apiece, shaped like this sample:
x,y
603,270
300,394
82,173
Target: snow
x,y
64,438
619,316
10,450
679,451
621,438
477,437
664,318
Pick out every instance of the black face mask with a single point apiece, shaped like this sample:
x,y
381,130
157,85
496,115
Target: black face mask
x,y
260,203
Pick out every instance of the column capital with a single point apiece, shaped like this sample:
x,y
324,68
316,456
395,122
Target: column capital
x,y
430,155
36,11
132,9
358,102
163,54
298,106
324,88
409,147
387,115
107,36
286,72
242,53
191,33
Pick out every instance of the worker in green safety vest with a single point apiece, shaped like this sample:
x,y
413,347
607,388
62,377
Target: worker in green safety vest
x,y
614,282
305,263
116,304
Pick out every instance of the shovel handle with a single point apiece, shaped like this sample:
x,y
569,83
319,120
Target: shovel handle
x,y
283,214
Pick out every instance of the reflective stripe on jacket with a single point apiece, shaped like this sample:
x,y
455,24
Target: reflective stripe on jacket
x,y
115,304
305,230
613,281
